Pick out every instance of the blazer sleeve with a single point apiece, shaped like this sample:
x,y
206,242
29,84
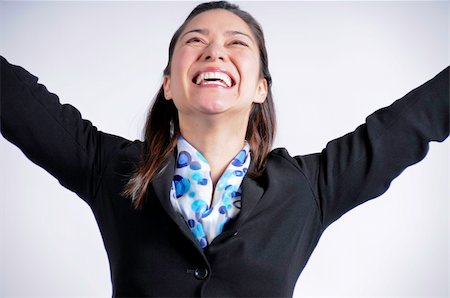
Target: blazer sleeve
x,y
53,135
361,165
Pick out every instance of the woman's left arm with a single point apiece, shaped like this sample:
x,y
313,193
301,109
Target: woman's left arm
x,y
360,165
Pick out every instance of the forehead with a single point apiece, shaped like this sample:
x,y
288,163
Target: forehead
x,y
219,20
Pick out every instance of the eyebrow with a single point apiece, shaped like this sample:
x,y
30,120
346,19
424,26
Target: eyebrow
x,y
227,33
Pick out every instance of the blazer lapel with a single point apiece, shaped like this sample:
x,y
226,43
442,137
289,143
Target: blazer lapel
x,y
252,191
161,185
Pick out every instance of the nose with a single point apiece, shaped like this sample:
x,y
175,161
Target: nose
x,y
214,52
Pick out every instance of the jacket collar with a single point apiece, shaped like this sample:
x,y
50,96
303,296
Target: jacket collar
x,y
252,192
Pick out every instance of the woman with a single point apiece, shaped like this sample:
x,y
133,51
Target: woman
x,y
203,114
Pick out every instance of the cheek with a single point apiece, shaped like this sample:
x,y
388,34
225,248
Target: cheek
x,y
181,62
249,65
249,71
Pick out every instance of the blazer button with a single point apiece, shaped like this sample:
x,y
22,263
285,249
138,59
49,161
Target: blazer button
x,y
201,273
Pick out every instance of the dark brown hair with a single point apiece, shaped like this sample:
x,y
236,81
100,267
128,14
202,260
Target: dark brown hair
x,y
162,128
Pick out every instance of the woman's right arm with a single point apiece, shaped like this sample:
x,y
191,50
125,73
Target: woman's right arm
x,y
53,135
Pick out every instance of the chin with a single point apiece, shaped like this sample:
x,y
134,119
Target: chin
x,y
209,106
213,110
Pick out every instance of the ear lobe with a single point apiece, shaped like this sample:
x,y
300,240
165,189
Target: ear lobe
x,y
166,86
261,92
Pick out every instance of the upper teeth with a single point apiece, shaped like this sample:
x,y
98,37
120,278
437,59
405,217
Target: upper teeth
x,y
214,75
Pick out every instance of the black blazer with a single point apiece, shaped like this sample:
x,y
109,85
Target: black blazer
x,y
261,252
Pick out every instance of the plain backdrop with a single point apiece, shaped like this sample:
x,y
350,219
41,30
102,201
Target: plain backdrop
x,y
333,63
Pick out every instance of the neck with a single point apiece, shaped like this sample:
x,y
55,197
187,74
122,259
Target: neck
x,y
218,141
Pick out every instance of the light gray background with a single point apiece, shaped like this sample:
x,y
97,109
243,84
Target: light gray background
x,y
333,63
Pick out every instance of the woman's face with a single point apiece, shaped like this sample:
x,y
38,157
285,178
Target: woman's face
x,y
215,49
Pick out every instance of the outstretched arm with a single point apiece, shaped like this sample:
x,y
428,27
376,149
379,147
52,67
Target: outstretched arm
x,y
361,165
53,135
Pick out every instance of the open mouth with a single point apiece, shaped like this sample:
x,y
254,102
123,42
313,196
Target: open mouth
x,y
213,79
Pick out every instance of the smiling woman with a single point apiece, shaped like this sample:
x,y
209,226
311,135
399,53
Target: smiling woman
x,y
205,48
203,206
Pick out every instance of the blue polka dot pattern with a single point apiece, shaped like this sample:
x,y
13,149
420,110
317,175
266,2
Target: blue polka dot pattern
x,y
202,181
182,185
184,159
191,194
198,206
191,223
222,209
207,212
195,165
239,173
239,160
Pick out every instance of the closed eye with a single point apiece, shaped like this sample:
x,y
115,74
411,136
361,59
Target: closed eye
x,y
239,42
194,39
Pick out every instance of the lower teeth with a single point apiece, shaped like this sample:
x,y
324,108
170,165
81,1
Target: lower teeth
x,y
212,83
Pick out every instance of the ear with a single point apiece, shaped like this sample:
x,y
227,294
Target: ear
x,y
261,91
166,86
